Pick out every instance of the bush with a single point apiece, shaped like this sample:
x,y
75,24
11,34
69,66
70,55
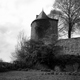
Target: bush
x,y
31,52
4,66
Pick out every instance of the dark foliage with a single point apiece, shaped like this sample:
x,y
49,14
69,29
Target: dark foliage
x,y
67,59
39,53
4,66
32,52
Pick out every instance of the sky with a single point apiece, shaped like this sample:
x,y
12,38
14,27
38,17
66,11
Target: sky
x,y
16,16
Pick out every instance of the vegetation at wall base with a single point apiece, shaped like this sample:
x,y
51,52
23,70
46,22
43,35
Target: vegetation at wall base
x,y
38,56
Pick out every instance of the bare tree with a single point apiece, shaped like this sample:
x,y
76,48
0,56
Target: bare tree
x,y
21,40
56,14
69,14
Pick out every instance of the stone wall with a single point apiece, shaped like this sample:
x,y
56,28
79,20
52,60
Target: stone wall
x,y
70,46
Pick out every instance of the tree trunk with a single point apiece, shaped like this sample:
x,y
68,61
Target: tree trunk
x,y
69,31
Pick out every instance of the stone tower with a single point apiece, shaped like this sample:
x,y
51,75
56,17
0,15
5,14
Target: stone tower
x,y
44,28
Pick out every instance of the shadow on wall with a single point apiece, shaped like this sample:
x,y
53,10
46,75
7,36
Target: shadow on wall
x,y
42,27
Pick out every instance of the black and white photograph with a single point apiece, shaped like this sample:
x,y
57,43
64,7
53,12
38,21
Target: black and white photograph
x,y
39,40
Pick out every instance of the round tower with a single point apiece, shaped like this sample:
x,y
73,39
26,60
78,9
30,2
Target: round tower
x,y
44,28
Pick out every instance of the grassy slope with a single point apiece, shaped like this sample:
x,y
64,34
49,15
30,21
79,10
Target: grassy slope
x,y
33,75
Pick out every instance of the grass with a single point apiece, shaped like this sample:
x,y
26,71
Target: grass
x,y
34,75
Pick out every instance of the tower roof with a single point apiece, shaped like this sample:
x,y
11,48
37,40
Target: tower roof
x,y
42,15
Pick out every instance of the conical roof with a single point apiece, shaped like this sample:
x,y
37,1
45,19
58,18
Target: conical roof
x,y
42,15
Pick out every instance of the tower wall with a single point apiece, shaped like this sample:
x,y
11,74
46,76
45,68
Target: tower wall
x,y
52,32
33,32
54,26
45,29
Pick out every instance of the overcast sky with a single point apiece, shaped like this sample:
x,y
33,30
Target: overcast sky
x,y
15,16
